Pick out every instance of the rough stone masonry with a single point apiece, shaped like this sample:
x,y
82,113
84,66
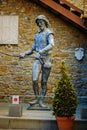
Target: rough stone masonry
x,y
15,74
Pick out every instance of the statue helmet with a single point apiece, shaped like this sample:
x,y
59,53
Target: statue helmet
x,y
42,17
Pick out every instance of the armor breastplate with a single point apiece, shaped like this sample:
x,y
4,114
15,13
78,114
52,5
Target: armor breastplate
x,y
41,41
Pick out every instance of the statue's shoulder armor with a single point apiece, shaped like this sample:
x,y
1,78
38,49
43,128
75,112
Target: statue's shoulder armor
x,y
48,31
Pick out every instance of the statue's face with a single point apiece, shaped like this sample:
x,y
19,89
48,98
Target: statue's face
x,y
41,24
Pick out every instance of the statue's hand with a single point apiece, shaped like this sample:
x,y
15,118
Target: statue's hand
x,y
22,55
37,55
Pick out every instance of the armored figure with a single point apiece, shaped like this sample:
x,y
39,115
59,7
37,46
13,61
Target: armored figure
x,y
42,46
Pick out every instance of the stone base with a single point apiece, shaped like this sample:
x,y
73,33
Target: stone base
x,y
37,107
15,110
83,113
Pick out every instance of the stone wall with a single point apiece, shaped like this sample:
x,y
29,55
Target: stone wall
x,y
15,73
78,3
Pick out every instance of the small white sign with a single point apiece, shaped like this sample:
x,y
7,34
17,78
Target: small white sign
x,y
8,29
15,99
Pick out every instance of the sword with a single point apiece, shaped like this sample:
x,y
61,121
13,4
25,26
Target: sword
x,y
13,55
16,55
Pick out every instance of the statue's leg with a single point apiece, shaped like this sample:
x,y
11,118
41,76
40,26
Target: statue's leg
x,y
45,75
35,75
36,92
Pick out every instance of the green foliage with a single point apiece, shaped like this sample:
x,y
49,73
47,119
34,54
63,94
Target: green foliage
x,y
65,98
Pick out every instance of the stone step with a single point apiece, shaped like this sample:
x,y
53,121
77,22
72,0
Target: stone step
x,y
30,119
26,123
36,124
33,120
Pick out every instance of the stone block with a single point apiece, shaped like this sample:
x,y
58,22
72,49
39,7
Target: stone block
x,y
15,110
83,113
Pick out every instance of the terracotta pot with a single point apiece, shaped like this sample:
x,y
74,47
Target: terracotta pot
x,y
65,123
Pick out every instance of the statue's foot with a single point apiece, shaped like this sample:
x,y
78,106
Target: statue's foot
x,y
42,105
29,105
33,101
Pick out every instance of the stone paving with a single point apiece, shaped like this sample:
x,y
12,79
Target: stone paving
x,y
38,117
4,110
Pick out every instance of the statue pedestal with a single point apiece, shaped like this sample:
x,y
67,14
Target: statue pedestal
x,y
36,107
15,110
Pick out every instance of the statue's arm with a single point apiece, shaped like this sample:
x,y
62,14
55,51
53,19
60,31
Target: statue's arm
x,y
28,52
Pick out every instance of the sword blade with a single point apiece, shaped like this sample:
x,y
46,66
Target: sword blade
x,y
27,56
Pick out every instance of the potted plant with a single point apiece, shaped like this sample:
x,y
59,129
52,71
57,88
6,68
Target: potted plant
x,y
65,100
